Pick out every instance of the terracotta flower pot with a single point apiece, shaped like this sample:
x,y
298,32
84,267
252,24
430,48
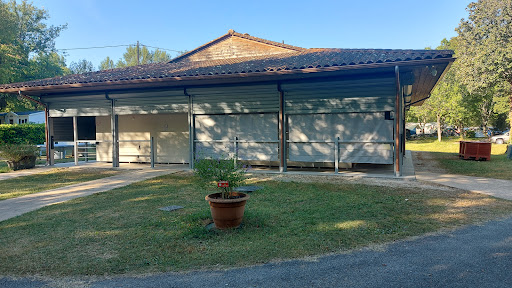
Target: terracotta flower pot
x,y
227,213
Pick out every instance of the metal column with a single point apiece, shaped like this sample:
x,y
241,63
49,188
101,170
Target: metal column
x,y
282,131
114,127
398,125
152,151
49,138
336,155
75,139
190,129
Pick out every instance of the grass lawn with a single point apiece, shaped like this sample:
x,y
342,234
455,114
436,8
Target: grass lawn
x,y
446,153
122,231
51,179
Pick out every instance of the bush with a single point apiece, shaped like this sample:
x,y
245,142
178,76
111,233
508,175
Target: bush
x,y
213,170
17,152
22,134
470,134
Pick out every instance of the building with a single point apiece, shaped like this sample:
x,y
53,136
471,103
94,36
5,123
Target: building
x,y
22,117
272,103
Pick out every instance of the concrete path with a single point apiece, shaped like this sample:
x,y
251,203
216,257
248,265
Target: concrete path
x,y
82,164
17,206
24,172
42,168
494,187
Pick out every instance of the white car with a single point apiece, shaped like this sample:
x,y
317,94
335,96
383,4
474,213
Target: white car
x,y
500,139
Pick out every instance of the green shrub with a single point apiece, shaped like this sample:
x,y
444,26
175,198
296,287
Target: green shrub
x,y
470,134
17,152
22,134
213,170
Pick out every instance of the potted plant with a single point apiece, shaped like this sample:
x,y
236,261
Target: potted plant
x,y
19,156
227,206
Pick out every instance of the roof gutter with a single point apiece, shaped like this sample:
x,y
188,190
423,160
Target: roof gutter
x,y
31,99
417,101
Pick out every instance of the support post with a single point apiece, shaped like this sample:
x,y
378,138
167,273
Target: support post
x,y
114,127
404,136
86,154
336,154
49,138
398,120
75,138
282,131
235,150
152,151
190,129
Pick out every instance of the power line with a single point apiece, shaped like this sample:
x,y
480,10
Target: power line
x,y
114,46
97,47
161,48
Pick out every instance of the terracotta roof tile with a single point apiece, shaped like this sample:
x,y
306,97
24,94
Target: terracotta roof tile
x,y
296,60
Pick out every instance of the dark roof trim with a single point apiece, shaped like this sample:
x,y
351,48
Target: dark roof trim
x,y
216,78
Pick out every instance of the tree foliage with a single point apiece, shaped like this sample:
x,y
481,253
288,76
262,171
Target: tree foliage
x,y
81,67
27,48
485,42
106,64
146,56
453,103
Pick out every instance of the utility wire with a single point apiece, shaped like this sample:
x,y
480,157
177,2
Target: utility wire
x,y
98,47
113,46
161,48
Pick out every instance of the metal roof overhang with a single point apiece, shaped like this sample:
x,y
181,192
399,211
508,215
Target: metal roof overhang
x,y
424,80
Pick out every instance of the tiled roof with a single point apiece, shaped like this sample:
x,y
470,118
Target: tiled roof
x,y
308,58
27,112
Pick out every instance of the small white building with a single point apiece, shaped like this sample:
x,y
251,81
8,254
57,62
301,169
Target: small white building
x,y
36,117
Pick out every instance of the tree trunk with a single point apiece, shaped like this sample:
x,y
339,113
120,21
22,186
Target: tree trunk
x,y
439,131
461,130
509,147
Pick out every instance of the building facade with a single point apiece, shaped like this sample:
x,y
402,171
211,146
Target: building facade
x,y
267,102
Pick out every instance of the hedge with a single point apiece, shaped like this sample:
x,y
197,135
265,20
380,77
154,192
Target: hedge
x,y
22,134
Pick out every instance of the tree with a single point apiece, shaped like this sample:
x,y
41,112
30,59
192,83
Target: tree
x,y
46,65
446,99
130,58
27,47
81,67
485,46
421,114
501,107
107,64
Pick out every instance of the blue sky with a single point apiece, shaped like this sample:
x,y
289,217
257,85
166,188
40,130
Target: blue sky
x,y
185,25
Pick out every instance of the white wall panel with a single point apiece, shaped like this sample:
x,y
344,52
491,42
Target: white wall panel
x,y
258,135
322,128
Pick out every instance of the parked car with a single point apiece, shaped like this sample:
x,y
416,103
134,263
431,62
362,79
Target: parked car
x,y
500,139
